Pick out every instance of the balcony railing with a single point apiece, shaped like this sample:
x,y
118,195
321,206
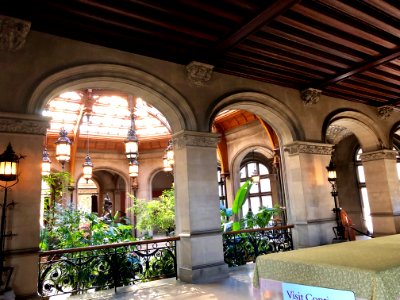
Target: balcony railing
x,y
104,267
244,246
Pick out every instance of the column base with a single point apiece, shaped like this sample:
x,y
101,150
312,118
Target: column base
x,y
203,273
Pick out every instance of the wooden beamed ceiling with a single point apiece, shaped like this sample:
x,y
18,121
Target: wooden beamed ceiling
x,y
347,49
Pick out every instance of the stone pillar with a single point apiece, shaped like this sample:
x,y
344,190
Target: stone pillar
x,y
200,253
309,203
382,184
26,134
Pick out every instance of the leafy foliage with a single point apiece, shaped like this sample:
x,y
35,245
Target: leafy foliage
x,y
156,214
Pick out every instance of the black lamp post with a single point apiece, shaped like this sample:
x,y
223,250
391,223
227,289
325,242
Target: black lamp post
x,y
8,173
339,229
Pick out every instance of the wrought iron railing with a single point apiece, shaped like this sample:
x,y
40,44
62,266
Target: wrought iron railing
x,y
245,245
104,267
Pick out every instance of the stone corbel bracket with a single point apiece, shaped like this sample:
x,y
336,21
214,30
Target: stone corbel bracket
x,y
199,73
310,96
13,33
385,111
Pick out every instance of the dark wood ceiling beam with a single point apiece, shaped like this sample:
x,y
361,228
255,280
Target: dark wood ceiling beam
x,y
337,24
321,57
355,93
343,52
368,90
382,76
262,19
385,7
383,86
382,59
284,58
357,99
277,66
326,35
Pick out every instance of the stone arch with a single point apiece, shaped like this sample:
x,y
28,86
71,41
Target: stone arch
x,y
152,176
122,78
279,116
369,135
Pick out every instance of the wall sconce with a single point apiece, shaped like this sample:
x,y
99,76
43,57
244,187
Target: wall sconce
x,y
9,162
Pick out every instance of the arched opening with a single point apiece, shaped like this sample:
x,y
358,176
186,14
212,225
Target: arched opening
x,y
161,181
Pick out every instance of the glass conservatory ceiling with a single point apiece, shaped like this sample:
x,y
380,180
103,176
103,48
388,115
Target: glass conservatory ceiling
x,y
109,117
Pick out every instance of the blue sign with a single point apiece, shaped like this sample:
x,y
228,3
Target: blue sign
x,y
293,291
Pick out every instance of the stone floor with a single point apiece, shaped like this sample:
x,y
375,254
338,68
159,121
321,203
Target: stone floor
x,y
237,286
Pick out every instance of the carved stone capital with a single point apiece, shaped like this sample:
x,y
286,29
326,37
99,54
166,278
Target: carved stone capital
x,y
13,33
26,124
335,133
379,155
309,148
310,96
185,139
385,111
199,73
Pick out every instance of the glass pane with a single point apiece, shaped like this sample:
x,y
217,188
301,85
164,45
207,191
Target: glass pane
x,y
254,188
265,185
361,175
358,156
255,204
243,172
263,169
250,168
366,210
266,201
245,208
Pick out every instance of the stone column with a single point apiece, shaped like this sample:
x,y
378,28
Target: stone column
x,y
309,203
26,135
200,253
382,184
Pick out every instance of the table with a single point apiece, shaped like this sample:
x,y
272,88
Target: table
x,y
369,268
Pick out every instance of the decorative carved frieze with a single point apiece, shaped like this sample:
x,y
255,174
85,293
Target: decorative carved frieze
x,y
199,73
309,148
197,139
334,134
385,111
379,155
310,96
13,33
13,123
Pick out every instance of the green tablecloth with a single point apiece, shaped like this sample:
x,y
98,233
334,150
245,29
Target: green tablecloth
x,y
369,268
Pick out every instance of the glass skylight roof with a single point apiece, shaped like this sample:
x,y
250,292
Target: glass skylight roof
x,y
110,116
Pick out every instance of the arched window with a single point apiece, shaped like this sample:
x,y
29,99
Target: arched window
x,y
363,191
87,195
260,193
221,188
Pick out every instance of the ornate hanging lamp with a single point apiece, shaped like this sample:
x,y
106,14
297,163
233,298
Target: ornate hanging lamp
x,y
63,147
87,165
132,141
46,163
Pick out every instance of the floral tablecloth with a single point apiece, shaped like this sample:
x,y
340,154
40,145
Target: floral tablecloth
x,y
369,268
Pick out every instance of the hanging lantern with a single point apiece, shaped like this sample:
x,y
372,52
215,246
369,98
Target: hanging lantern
x,y
131,144
331,168
9,164
46,163
167,166
133,168
87,168
63,147
255,177
170,154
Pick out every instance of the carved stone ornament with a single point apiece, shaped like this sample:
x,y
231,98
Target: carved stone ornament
x,y
335,133
14,123
309,148
310,96
196,139
13,33
379,155
385,111
199,73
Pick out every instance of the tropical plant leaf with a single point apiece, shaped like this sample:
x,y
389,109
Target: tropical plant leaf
x,y
240,196
236,226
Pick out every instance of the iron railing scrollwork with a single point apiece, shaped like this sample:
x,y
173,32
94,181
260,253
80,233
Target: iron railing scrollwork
x,y
245,245
106,266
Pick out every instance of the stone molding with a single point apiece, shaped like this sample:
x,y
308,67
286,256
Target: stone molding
x,y
27,124
199,73
385,111
310,96
13,33
379,155
184,139
308,148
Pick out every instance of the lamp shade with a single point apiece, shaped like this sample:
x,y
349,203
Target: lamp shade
x,y
133,168
331,168
131,145
63,147
87,168
46,163
9,164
